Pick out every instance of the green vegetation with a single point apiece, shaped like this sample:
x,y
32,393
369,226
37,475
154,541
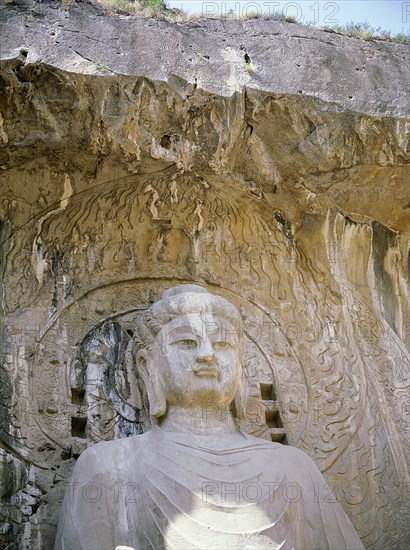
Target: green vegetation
x,y
148,8
366,32
401,38
155,5
249,68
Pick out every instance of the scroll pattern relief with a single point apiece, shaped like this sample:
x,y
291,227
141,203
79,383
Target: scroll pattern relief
x,y
234,236
385,356
381,471
322,365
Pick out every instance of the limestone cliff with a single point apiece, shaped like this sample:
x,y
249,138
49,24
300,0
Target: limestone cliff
x,y
264,160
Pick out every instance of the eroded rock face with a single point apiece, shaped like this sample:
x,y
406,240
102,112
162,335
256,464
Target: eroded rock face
x,y
131,162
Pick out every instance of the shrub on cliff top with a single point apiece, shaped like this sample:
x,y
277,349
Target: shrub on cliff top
x,y
147,8
366,32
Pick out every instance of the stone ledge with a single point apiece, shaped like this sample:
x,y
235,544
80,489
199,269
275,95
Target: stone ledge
x,y
218,56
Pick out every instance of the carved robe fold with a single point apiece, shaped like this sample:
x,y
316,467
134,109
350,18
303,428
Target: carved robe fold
x,y
172,491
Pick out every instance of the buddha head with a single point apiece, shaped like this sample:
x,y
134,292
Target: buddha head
x,y
188,349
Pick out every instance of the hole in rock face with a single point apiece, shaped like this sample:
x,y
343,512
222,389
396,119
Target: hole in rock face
x,y
77,396
247,59
78,426
165,141
273,419
66,454
279,437
272,415
267,392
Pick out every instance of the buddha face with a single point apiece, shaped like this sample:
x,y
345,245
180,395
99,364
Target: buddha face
x,y
198,360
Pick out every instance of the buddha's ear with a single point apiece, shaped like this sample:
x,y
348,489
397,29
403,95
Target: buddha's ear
x,y
153,384
241,398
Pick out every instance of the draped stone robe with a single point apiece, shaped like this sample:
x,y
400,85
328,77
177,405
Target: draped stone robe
x,y
163,490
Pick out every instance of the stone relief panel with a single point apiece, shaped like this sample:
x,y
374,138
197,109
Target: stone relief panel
x,y
325,371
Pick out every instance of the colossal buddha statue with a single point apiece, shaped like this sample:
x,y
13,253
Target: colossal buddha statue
x,y
194,480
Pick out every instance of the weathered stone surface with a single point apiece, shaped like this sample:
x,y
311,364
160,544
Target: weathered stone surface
x,y
122,175
214,55
195,480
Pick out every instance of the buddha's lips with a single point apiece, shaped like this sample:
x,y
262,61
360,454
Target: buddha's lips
x,y
206,372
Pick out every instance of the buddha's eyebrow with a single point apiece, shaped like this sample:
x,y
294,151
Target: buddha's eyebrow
x,y
211,328
224,328
185,329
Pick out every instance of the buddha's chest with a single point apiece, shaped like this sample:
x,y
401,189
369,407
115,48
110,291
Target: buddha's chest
x,y
207,501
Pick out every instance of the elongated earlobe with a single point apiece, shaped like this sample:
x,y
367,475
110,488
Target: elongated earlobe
x,y
240,399
153,385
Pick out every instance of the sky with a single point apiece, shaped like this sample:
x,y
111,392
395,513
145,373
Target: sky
x,y
390,15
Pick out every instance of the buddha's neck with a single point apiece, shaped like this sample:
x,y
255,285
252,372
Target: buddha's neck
x,y
197,421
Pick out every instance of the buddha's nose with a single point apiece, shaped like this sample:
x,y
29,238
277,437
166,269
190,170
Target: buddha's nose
x,y
205,352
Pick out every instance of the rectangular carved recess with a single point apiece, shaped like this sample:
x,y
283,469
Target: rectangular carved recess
x,y
273,419
278,435
78,426
272,415
77,396
267,392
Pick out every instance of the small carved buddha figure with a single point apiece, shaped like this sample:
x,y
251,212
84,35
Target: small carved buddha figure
x,y
194,481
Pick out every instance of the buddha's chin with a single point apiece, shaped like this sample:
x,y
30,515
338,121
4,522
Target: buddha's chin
x,y
202,396
208,396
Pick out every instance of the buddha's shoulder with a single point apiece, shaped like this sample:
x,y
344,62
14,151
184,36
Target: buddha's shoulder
x,y
296,456
284,453
107,454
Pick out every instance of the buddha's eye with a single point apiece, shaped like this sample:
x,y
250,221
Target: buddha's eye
x,y
221,345
187,344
